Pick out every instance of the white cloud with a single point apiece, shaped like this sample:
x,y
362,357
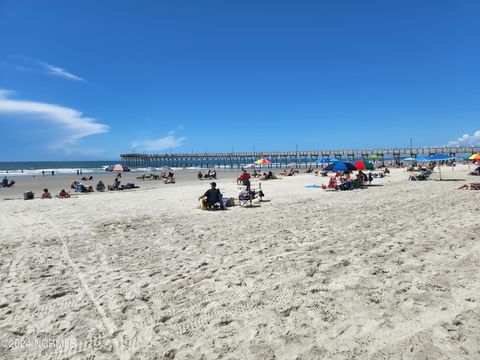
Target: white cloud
x,y
58,71
74,124
467,140
167,142
25,63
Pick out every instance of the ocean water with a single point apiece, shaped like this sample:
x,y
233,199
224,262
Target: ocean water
x,y
35,168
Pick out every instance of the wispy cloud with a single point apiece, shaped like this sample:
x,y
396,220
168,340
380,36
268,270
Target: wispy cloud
x,y
170,141
467,140
25,63
74,124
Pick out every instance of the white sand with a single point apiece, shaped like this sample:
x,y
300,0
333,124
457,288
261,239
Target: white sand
x,y
389,272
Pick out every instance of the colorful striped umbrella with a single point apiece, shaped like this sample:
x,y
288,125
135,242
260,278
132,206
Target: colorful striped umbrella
x,y
263,162
474,157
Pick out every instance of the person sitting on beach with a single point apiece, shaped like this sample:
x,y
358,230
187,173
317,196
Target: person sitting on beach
x,y
100,186
46,194
169,179
211,199
73,186
475,172
370,178
268,176
386,171
115,185
63,194
421,175
332,184
5,182
199,175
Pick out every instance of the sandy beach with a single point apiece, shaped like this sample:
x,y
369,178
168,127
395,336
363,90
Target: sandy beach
x,y
387,272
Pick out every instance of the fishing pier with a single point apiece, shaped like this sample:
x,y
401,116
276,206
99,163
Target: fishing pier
x,y
281,159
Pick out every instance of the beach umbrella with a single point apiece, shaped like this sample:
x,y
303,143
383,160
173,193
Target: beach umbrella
x,y
263,162
363,165
341,166
252,165
359,165
474,157
410,159
118,168
423,159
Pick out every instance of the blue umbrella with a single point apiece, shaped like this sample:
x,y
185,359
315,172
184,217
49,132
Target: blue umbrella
x,y
423,158
341,166
441,157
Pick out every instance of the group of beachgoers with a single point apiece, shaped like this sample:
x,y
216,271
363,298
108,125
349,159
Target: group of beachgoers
x,y
210,174
167,177
61,195
7,183
213,199
345,181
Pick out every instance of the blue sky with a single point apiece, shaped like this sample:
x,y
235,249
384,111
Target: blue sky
x,y
93,79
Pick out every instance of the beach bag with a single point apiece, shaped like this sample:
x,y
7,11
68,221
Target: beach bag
x,y
28,195
228,202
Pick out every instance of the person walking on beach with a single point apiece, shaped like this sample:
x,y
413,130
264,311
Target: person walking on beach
x,y
78,172
245,179
43,172
53,173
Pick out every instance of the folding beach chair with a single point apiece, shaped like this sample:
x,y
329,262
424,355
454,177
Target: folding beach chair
x,y
247,196
474,186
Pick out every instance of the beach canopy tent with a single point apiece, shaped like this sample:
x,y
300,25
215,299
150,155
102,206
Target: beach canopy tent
x,y
423,159
374,158
440,157
166,169
326,160
363,165
409,159
341,166
292,165
252,165
474,157
118,168
263,162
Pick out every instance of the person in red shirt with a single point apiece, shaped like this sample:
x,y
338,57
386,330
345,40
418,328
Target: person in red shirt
x,y
245,179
